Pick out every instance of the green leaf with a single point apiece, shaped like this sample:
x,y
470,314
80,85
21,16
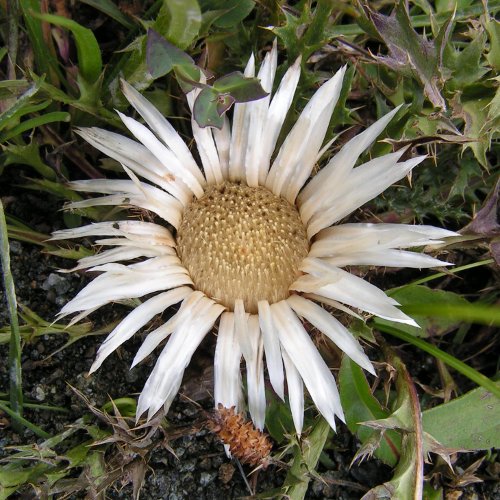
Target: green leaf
x,y
418,299
305,459
235,11
306,33
27,154
126,406
360,405
55,116
475,114
205,109
279,420
179,21
242,89
409,52
471,422
466,64
407,482
88,51
20,103
493,29
187,77
162,56
45,59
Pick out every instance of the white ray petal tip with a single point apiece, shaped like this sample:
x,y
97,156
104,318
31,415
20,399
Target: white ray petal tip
x,y
370,369
95,366
410,322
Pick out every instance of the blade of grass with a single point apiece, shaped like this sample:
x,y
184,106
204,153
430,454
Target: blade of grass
x,y
45,59
111,10
88,50
450,360
16,388
18,105
13,37
20,422
455,270
36,406
471,313
55,116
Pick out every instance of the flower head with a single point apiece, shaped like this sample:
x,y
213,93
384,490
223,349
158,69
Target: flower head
x,y
249,241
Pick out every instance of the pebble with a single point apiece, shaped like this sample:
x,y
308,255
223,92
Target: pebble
x,y
39,393
15,247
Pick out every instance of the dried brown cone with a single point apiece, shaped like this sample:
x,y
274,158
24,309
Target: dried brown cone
x,y
246,443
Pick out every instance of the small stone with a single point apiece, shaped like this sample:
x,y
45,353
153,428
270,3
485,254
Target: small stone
x,y
39,393
15,247
206,478
56,282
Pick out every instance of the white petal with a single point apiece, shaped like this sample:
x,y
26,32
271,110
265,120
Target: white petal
x,y
132,230
136,319
163,154
332,303
163,129
295,393
138,158
125,283
271,348
365,183
164,381
324,199
297,156
350,290
239,133
343,162
124,242
154,338
387,258
258,111
252,347
227,374
148,197
350,238
309,363
332,328
116,255
78,317
208,153
276,114
222,139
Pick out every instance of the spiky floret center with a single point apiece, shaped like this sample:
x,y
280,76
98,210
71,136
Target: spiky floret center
x,y
241,242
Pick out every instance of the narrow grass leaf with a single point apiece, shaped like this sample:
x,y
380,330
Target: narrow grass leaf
x,y
108,8
38,121
20,422
88,51
450,360
16,385
17,107
46,61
